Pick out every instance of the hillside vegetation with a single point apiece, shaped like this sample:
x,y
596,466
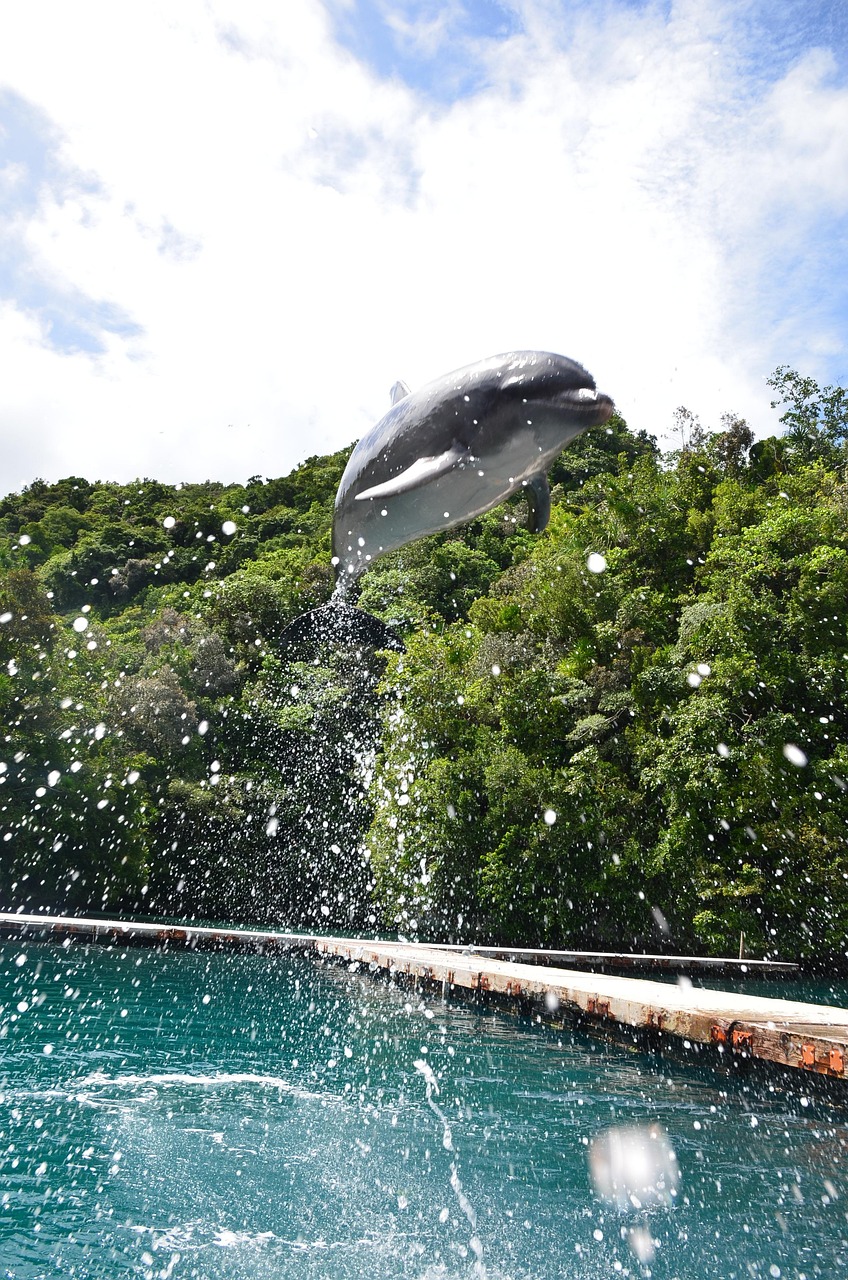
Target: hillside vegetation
x,y
628,731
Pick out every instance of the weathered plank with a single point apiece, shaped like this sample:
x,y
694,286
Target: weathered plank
x,y
629,960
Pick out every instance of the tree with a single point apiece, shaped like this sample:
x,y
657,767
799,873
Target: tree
x,y
815,418
731,445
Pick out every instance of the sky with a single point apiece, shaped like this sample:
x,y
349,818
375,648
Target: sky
x,y
226,229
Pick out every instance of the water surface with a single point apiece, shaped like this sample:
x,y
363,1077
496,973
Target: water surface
x,y
211,1116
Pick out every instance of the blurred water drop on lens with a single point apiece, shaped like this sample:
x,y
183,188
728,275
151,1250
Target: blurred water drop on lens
x,y
662,923
634,1167
642,1244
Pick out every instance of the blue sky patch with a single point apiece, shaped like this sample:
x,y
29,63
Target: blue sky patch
x,y
432,46
438,47
776,36
30,169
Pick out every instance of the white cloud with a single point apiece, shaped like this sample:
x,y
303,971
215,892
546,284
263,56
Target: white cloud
x,y
290,234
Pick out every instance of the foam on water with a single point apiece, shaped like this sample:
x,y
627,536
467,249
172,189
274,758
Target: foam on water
x,y
216,1080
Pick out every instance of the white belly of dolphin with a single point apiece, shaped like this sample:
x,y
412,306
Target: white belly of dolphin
x,y
378,525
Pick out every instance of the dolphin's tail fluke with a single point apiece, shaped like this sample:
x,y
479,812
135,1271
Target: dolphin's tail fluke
x,y
339,624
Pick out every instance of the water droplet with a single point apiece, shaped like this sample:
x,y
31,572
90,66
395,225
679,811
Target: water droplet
x,y
640,1241
634,1163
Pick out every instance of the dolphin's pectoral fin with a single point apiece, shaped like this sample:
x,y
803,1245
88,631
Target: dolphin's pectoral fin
x,y
539,498
422,471
399,392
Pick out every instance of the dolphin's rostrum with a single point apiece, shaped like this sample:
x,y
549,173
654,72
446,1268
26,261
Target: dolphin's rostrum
x,y
458,447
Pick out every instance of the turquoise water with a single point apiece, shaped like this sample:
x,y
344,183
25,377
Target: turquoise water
x,y
211,1116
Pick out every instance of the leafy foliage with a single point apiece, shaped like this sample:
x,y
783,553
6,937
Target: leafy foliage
x,y
626,732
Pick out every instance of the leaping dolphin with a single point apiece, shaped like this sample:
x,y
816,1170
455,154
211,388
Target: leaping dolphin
x,y
457,448
448,453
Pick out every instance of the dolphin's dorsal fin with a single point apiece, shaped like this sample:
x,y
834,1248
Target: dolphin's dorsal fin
x,y
399,392
539,497
422,471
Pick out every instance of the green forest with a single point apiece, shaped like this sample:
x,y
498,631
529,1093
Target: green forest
x,y
626,733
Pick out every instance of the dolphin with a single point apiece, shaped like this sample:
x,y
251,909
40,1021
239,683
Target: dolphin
x,y
457,448
442,456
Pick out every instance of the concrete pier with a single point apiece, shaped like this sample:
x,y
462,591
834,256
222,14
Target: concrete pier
x,y
809,1037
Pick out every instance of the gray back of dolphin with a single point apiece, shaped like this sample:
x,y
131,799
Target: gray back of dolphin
x,y
457,448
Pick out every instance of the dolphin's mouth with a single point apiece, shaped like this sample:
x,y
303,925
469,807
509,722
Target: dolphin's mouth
x,y
585,403
559,384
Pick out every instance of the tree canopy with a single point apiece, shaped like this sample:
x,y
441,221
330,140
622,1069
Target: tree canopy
x,y
626,732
